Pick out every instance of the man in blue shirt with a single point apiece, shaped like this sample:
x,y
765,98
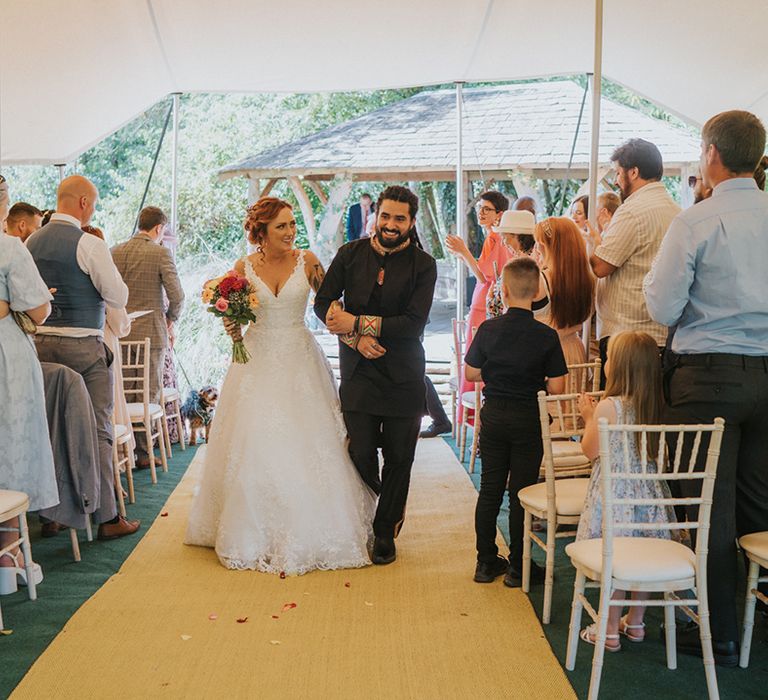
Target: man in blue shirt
x,y
709,279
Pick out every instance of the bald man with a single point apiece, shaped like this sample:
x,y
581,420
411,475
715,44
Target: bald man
x,y
80,267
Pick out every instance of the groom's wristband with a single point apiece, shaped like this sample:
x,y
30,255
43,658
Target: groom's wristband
x,y
351,339
369,325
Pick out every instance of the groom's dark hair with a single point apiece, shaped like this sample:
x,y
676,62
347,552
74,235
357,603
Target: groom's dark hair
x,y
396,193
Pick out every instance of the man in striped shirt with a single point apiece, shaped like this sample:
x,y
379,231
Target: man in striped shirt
x,y
630,244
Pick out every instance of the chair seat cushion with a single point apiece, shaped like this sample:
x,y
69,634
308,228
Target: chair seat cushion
x,y
755,543
136,411
170,394
569,496
641,559
468,399
13,501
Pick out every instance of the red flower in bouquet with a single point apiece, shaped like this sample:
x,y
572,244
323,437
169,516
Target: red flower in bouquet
x,y
232,297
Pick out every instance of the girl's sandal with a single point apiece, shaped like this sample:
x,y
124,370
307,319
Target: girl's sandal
x,y
626,630
589,635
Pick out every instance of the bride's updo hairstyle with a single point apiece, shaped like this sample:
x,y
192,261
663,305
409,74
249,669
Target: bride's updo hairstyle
x,y
258,217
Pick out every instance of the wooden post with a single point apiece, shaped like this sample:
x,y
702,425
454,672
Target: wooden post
x,y
328,238
306,209
253,190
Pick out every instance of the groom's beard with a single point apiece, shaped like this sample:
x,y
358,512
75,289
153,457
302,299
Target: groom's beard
x,y
391,242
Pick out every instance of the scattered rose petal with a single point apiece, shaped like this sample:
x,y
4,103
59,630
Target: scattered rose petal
x,y
370,605
282,574
241,620
464,614
275,617
347,585
164,515
289,606
213,616
186,637
5,633
275,641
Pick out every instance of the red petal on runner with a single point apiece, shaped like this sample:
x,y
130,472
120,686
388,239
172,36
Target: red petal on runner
x,y
241,620
213,616
347,585
282,574
164,515
289,606
275,617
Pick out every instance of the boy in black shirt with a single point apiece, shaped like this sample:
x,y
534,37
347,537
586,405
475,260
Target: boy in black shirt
x,y
516,356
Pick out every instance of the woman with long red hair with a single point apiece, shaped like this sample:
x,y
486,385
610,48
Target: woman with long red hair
x,y
570,281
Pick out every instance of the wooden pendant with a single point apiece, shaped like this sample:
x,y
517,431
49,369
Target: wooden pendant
x,y
380,278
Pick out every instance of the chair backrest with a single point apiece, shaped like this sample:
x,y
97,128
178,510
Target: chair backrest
x,y
583,377
459,342
135,360
679,457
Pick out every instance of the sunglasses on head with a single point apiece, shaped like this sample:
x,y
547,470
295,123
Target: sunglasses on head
x,y
693,179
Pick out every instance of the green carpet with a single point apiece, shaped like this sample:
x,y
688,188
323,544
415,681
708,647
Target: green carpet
x,y
639,671
68,584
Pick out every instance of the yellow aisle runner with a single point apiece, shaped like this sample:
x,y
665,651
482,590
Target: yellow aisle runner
x,y
418,628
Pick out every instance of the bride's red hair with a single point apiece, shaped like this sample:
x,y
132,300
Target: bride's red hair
x,y
259,215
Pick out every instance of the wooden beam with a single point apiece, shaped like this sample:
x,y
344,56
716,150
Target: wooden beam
x,y
268,187
253,190
306,209
315,187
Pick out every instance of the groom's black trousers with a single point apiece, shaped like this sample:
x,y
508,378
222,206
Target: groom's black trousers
x,y
397,438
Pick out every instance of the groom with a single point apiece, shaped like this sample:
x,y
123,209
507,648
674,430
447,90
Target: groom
x,y
387,283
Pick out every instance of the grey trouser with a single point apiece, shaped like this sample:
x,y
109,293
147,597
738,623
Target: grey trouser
x,y
156,365
92,360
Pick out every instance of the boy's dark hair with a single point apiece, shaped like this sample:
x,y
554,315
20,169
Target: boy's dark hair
x,y
521,278
499,201
365,195
149,217
21,210
396,193
739,138
643,155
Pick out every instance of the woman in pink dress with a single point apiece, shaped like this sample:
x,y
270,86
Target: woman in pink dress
x,y
492,259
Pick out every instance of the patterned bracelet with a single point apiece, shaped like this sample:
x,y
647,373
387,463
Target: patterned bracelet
x,y
370,325
351,339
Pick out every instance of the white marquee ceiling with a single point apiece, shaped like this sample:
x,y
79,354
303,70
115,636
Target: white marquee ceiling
x,y
73,71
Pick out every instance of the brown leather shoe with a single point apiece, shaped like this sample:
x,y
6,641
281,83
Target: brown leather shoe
x,y
123,527
50,529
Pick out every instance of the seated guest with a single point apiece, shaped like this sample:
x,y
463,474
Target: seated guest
x,y
525,203
80,267
149,270
516,356
23,220
570,283
26,460
633,396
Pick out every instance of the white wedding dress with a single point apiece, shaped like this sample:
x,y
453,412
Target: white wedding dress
x,y
279,492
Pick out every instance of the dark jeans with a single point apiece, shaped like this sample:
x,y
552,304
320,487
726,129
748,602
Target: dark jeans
x,y
435,408
90,358
510,447
733,387
397,438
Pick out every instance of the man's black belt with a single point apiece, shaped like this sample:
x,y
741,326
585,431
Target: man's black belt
x,y
716,359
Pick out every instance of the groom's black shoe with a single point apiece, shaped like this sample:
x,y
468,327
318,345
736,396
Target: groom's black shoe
x,y
384,551
436,429
487,572
689,642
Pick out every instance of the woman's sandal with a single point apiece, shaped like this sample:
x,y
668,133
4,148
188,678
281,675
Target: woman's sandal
x,y
12,576
625,629
589,635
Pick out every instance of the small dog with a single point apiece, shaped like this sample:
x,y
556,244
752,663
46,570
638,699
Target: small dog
x,y
197,411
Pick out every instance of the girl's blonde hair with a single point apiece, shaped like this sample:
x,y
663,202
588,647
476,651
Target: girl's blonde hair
x,y
635,375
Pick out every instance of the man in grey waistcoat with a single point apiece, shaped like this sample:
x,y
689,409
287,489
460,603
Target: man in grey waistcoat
x,y
80,268
150,273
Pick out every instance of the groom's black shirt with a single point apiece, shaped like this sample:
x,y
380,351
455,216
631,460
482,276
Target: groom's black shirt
x,y
394,384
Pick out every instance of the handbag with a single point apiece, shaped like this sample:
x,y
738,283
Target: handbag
x,y
24,322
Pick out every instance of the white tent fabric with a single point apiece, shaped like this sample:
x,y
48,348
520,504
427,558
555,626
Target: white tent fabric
x,y
73,71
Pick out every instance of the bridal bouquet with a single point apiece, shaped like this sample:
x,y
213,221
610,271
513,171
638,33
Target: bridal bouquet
x,y
232,297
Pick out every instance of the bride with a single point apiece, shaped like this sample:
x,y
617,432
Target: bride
x,y
278,491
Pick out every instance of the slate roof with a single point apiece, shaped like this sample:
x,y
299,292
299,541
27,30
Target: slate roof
x,y
527,127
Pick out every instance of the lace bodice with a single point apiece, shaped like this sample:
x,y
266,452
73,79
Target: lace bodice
x,y
284,311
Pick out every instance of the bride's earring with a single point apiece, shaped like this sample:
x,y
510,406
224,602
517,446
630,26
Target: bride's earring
x,y
261,253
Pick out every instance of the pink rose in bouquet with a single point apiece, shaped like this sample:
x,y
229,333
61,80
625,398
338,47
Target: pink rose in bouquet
x,y
232,297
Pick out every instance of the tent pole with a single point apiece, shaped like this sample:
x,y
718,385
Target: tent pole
x,y
175,165
461,229
596,81
60,167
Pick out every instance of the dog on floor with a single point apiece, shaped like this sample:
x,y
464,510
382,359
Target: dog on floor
x,y
197,411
